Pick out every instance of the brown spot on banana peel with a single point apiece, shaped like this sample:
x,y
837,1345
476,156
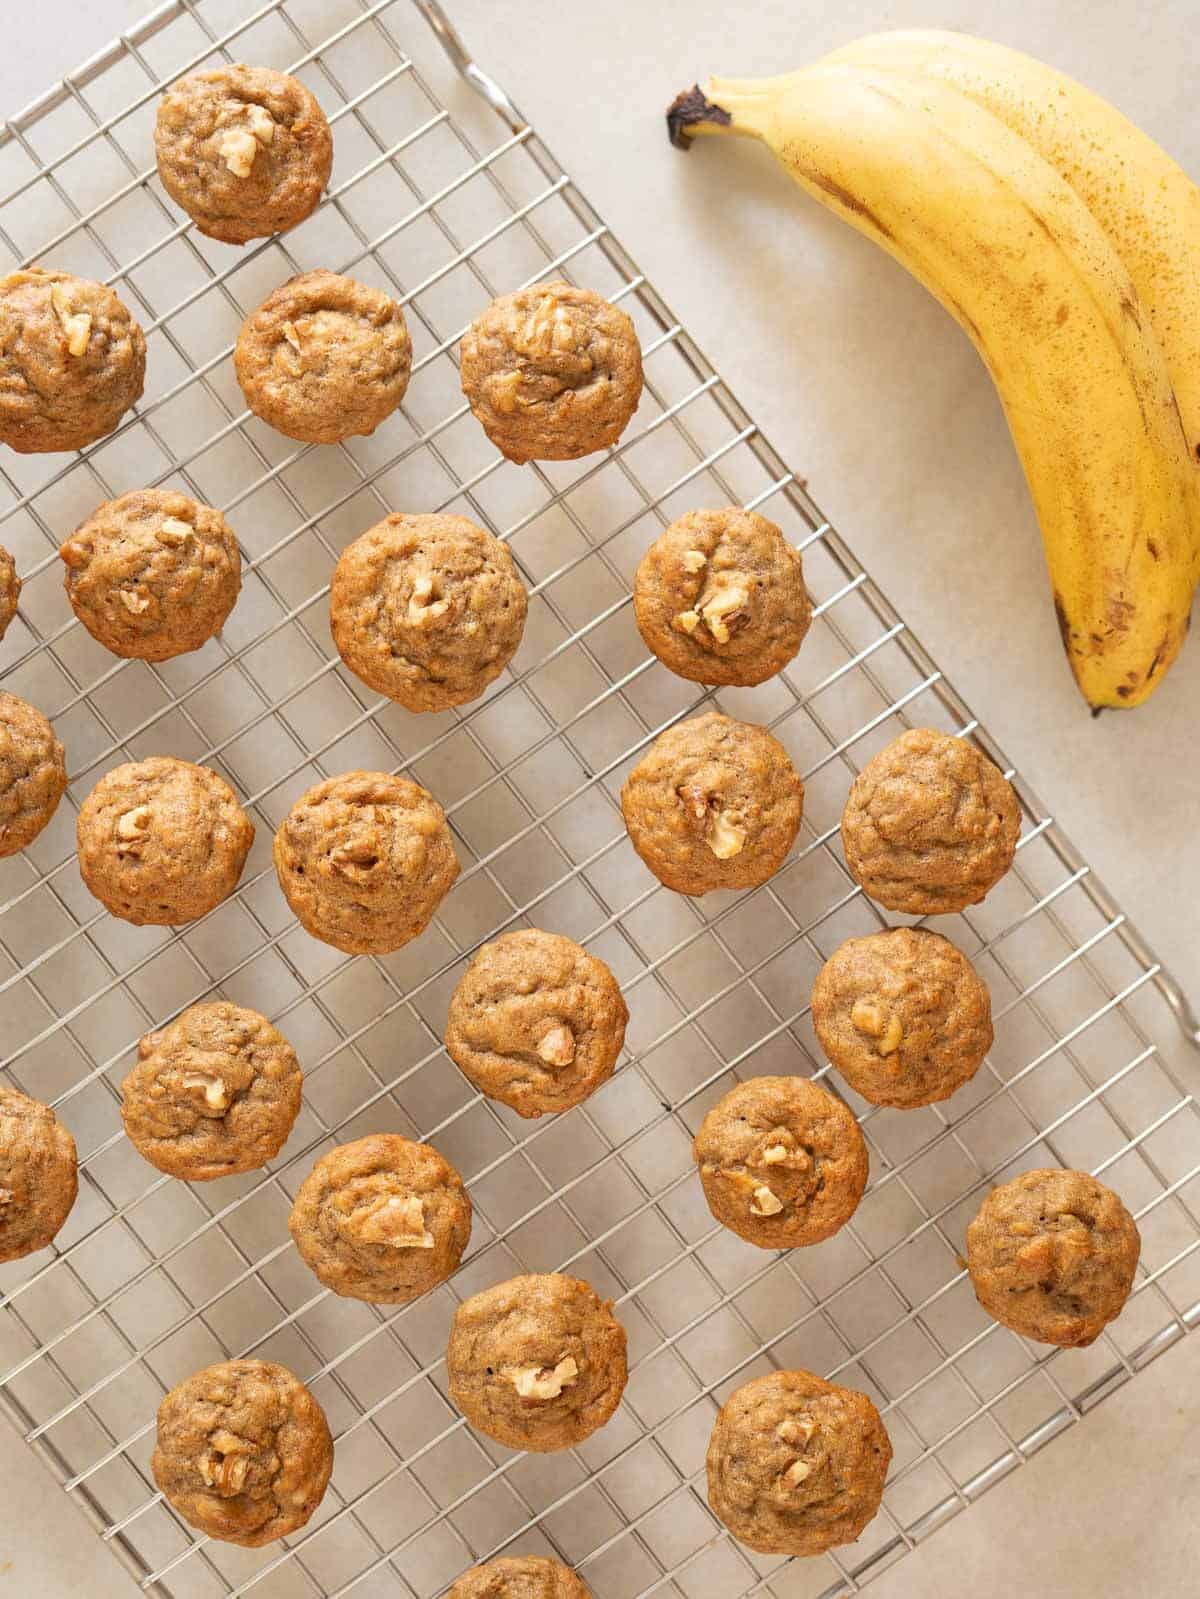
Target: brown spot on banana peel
x,y
688,108
851,201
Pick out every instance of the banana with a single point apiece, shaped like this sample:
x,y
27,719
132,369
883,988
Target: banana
x,y
1012,252
1147,205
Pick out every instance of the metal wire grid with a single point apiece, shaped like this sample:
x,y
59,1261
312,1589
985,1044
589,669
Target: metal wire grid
x,y
152,1278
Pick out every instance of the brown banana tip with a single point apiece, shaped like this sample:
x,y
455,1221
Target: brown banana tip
x,y
688,108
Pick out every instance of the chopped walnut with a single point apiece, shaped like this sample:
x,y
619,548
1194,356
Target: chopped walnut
x,y
557,1048
693,560
695,801
423,607
775,1154
227,1465
686,622
795,1430
765,1203
173,533
727,605
216,1095
796,1473
238,149
397,1220
292,334
6,1198
133,602
892,1037
132,828
502,390
261,124
356,852
76,325
542,1382
726,838
867,1018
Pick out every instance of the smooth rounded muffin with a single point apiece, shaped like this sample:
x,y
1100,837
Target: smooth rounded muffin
x,y
244,1451
427,609
38,1174
1052,1254
33,773
797,1465
552,372
713,803
152,574
536,1022
324,357
364,861
520,1577
382,1219
162,841
782,1162
903,1015
214,1092
72,361
930,825
246,151
10,589
719,597
537,1362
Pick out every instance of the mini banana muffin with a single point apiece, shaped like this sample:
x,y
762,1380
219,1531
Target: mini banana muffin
x,y
72,361
427,609
214,1092
364,861
244,1451
245,151
382,1219
536,1022
713,803
10,589
903,1015
38,1174
324,357
782,1162
33,773
520,1577
537,1362
930,825
552,372
162,841
152,574
1052,1254
796,1465
719,597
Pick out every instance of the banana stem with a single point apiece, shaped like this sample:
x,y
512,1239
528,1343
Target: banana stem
x,y
716,110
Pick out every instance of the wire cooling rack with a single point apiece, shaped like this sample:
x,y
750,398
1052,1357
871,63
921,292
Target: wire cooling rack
x,y
435,200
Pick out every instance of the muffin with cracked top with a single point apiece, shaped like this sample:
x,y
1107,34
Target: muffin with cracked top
x,y
520,1577
719,597
38,1174
246,151
552,372
33,773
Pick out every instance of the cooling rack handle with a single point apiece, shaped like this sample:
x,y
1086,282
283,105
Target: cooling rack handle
x,y
451,42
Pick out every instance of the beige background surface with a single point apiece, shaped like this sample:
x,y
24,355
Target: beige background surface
x,y
865,386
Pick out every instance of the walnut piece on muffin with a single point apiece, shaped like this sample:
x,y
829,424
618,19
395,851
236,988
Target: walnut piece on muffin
x,y
712,804
152,574
162,841
38,1174
930,825
537,1362
797,1465
243,1452
552,372
382,1219
719,597
782,1162
33,773
246,151
324,357
536,1022
1052,1254
903,1015
364,860
213,1093
72,361
427,609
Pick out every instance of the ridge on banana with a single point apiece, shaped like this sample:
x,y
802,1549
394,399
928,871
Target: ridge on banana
x,y
1010,248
